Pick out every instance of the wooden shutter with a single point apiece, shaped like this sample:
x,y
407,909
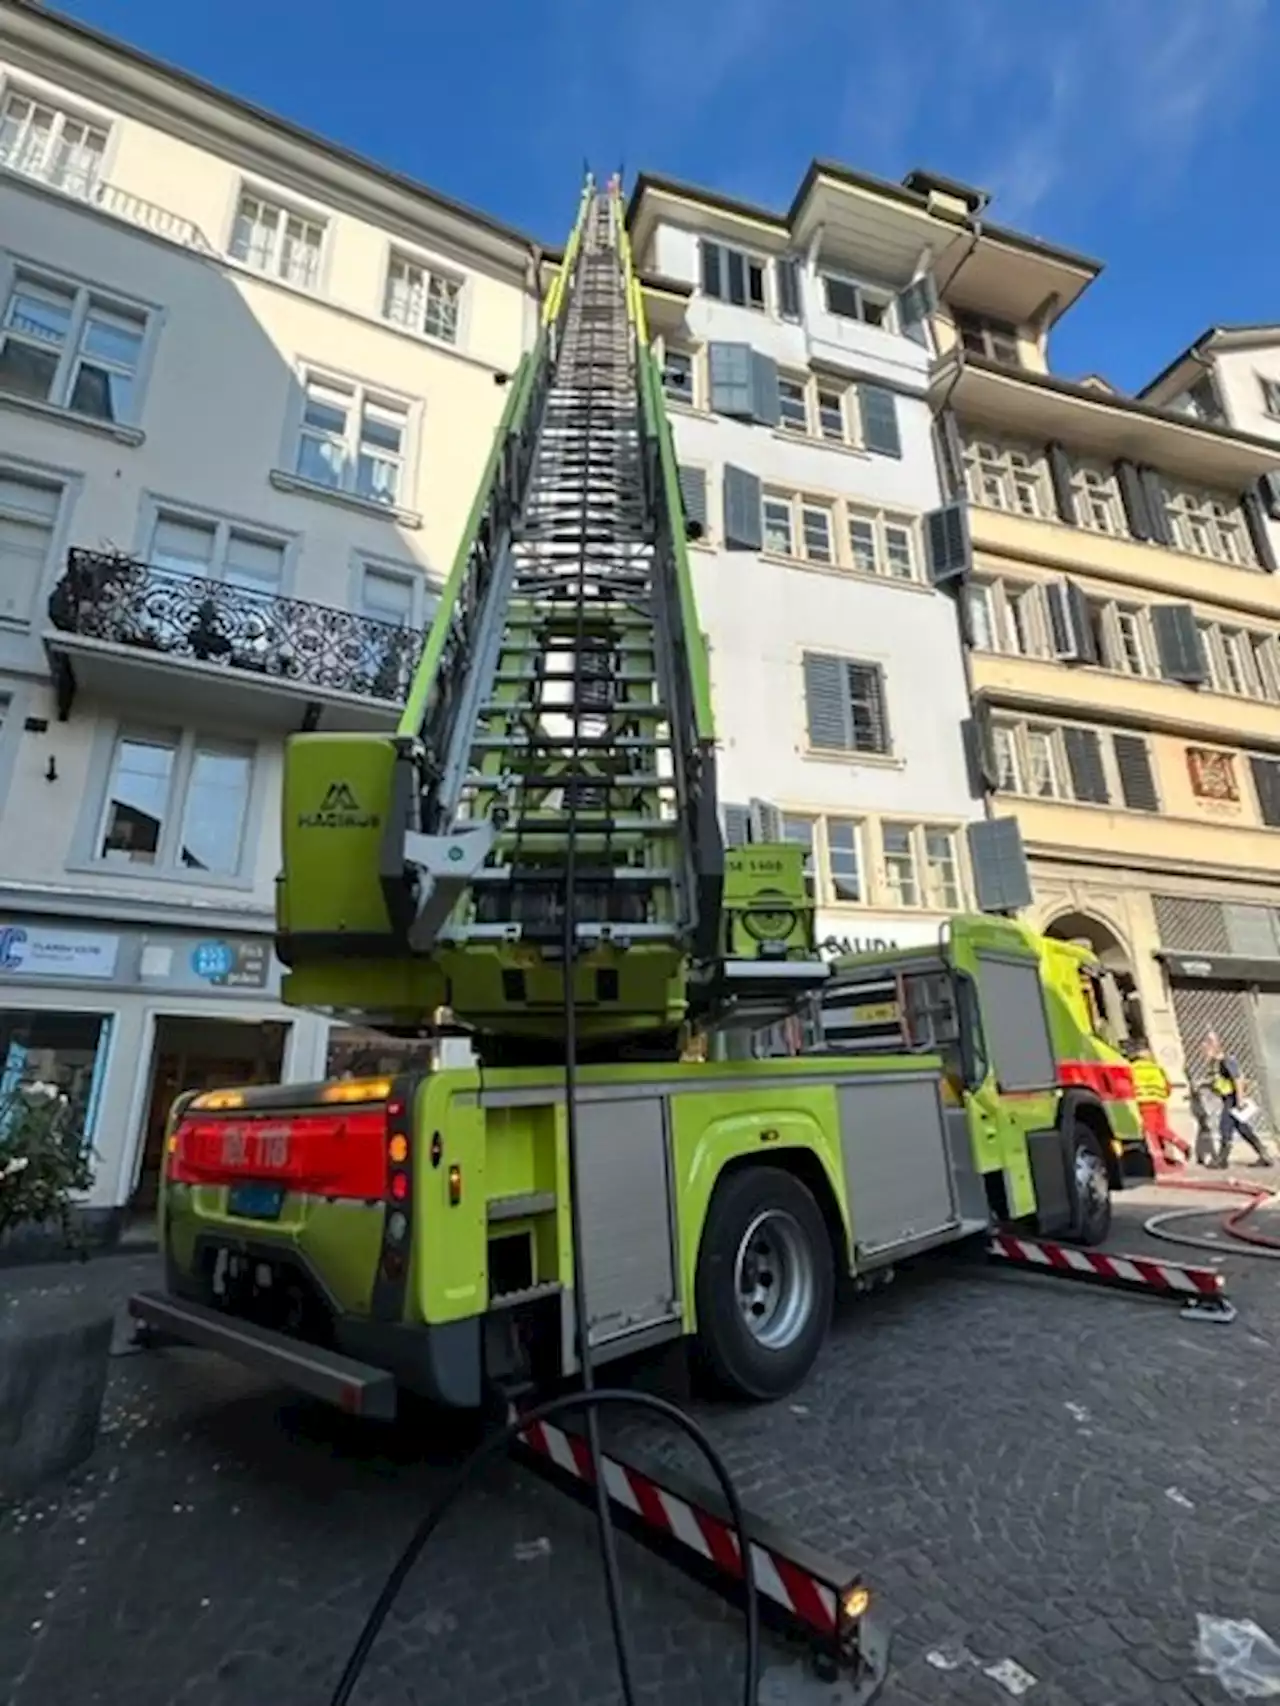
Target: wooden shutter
x,y
1137,780
1064,496
712,269
946,536
1084,760
1157,513
737,825
1070,629
787,274
765,406
766,821
1269,492
693,495
742,521
915,306
1179,645
980,757
1266,784
731,372
878,408
1134,498
826,697
1256,521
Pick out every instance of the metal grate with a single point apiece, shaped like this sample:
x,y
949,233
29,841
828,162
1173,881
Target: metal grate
x,y
1201,1007
1191,926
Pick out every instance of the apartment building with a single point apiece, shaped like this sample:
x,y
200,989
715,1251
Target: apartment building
x,y
247,386
796,355
1123,617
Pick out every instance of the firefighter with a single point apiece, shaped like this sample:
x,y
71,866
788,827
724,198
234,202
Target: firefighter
x,y
1227,1084
1151,1089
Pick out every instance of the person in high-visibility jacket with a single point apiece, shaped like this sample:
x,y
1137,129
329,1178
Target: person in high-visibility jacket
x,y
1151,1091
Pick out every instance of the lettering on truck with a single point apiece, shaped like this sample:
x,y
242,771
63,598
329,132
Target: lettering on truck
x,y
339,809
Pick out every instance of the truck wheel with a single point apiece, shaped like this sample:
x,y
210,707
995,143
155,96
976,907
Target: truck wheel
x,y
1090,1187
764,1284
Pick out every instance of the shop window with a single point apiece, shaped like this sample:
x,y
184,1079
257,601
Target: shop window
x,y
64,1052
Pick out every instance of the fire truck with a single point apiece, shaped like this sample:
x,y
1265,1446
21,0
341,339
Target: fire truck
x,y
673,1102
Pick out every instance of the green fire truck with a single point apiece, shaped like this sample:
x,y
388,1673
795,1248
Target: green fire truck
x,y
537,850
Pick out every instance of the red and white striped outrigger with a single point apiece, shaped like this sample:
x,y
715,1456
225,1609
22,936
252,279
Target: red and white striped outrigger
x,y
1202,1291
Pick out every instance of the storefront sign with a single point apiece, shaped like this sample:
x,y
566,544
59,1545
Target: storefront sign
x,y
42,950
206,962
872,935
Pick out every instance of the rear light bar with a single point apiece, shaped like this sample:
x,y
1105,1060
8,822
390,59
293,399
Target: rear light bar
x,y
337,1153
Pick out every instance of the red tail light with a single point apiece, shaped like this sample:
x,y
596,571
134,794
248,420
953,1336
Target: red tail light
x,y
330,1154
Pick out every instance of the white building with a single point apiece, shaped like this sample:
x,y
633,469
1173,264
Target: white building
x,y
797,351
247,386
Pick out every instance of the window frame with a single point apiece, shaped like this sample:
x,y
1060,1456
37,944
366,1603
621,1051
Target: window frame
x,y
156,506
682,352
749,261
802,428
988,332
361,392
866,290
1196,511
1090,484
880,521
62,110
1270,396
425,590
289,207
68,485
431,269
1016,609
1010,469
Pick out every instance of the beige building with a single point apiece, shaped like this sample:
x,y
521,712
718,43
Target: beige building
x,y
1122,610
247,385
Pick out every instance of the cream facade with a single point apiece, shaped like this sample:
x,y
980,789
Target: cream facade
x,y
247,386
1122,612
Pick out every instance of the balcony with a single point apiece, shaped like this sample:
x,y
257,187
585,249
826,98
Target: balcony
x,y
80,182
120,628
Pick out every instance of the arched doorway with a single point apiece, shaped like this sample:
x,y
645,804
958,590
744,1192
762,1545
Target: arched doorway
x,y
1085,928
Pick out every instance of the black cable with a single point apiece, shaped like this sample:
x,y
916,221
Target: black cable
x,y
499,1442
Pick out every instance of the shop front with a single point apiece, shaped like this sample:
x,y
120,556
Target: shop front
x,y
121,1018
873,932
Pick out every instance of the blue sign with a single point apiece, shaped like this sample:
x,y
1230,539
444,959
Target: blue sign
x,y
213,959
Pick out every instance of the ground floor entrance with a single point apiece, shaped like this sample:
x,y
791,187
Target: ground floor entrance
x,y
199,1054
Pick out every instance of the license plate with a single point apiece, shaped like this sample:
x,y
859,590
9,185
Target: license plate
x,y
256,1202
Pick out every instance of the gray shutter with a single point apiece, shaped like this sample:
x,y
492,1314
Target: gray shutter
x,y
1157,514
742,521
1084,760
946,538
1266,783
879,412
1070,630
1137,781
826,698
1134,497
693,495
1060,478
915,305
712,273
1001,878
1269,491
951,445
980,752
737,825
1179,644
765,821
787,273
1256,522
731,372
765,407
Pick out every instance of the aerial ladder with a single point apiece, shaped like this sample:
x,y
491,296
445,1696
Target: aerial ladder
x,y
543,823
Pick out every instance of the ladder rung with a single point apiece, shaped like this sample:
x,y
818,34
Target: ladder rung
x,y
565,746
638,780
541,875
591,828
583,708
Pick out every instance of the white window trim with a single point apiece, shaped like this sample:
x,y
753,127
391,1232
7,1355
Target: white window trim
x,y
156,504
285,478
1088,482
840,509
693,355
753,257
290,203
72,483
1184,503
67,106
444,269
866,287
881,519
1012,477
998,590
152,314
877,895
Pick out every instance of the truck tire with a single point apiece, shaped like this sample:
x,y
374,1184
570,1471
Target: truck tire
x,y
765,1283
1090,1188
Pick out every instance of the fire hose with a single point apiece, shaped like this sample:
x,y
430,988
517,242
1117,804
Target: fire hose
x,y
1232,1223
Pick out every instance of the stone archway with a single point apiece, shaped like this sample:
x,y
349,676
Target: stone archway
x,y
1106,943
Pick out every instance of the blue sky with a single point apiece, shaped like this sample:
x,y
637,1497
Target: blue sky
x,y
1137,130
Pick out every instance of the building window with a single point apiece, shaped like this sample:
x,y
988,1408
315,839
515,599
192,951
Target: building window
x,y
274,240
1002,476
217,550
45,142
845,704
1008,616
881,544
730,275
176,804
29,508
65,1049
1029,760
1271,396
1098,504
352,440
901,868
844,857
799,832
1008,759
1266,661
420,299
70,345
849,300
677,375
1132,651
793,405
1044,772
941,869
1209,526
997,340
776,513
815,523
831,416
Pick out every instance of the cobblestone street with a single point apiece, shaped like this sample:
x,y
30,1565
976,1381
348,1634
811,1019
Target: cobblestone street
x,y
1025,1470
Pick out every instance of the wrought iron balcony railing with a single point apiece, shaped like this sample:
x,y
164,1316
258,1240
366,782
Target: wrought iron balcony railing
x,y
107,596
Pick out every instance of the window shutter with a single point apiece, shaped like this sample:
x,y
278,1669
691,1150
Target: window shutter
x,y
879,412
951,445
1060,476
946,533
742,520
731,372
1001,876
1157,514
1084,760
712,284
980,752
1179,645
1269,491
737,825
693,495
1134,498
915,306
826,699
787,273
765,821
764,389
1256,522
1266,783
1137,782
1070,630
